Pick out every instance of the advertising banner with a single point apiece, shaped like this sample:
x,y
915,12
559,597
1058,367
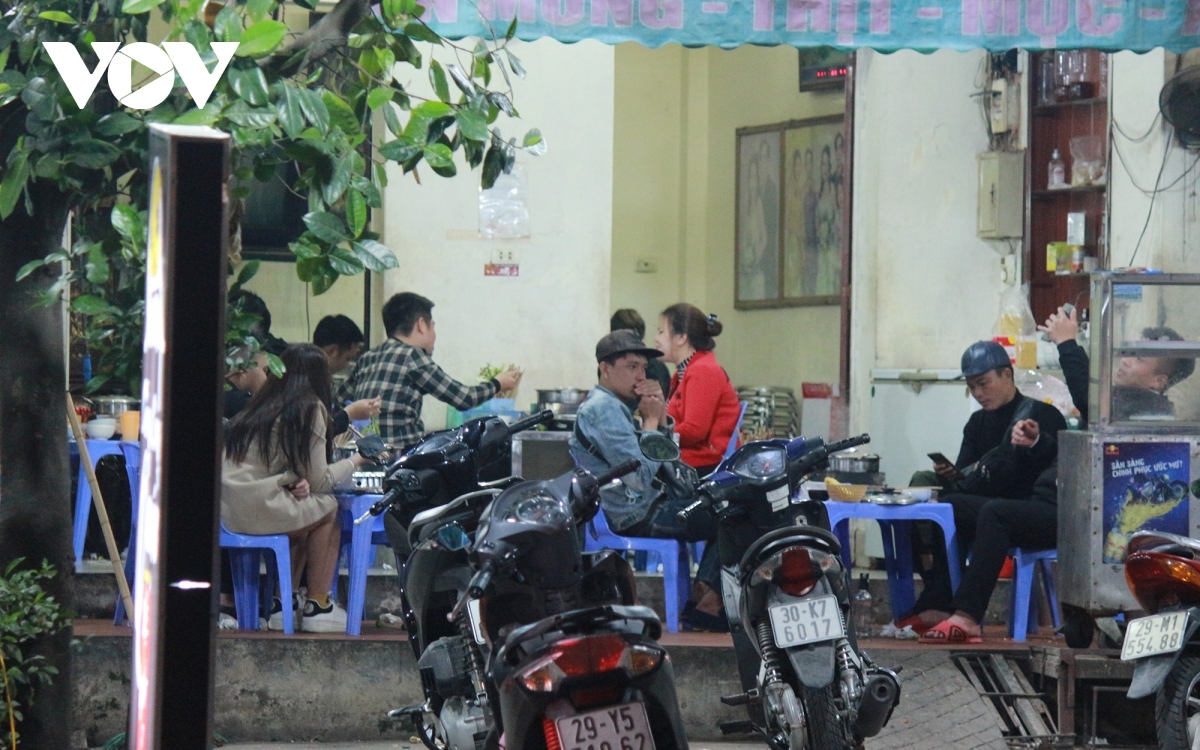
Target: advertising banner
x,y
1138,25
1145,489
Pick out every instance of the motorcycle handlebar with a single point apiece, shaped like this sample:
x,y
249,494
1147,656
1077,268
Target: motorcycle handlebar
x,y
841,445
380,506
619,470
533,420
683,515
480,581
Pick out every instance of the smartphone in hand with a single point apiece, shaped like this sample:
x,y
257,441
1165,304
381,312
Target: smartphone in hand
x,y
939,459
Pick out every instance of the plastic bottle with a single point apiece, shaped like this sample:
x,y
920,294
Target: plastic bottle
x,y
864,617
1057,172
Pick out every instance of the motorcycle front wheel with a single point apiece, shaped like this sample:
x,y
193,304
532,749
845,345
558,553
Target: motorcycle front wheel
x,y
1177,710
826,730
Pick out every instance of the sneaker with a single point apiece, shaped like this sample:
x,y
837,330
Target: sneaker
x,y
275,621
318,619
226,619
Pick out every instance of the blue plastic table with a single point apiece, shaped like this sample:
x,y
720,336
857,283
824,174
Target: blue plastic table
x,y
895,521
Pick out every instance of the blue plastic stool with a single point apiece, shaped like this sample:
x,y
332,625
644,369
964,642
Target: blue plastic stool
x,y
1025,564
245,554
98,449
358,546
895,522
676,563
133,466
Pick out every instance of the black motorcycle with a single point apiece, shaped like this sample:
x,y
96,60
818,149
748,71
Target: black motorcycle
x,y
575,665
787,597
435,494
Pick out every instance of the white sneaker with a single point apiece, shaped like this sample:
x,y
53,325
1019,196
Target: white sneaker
x,y
275,621
226,622
317,619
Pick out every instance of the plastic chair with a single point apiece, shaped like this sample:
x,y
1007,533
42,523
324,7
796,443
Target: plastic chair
x,y
895,522
358,546
245,553
1025,618
735,440
98,449
133,467
676,563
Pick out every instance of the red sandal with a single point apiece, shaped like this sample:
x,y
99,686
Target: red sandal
x,y
913,622
948,632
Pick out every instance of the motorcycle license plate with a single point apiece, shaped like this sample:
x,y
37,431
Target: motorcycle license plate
x,y
806,621
622,727
1160,634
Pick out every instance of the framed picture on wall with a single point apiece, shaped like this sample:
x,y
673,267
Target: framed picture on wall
x,y
791,199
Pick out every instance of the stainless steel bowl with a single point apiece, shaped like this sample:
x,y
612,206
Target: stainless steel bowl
x,y
113,405
852,463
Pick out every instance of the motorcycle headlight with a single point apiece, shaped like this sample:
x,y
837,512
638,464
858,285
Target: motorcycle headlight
x,y
767,463
542,508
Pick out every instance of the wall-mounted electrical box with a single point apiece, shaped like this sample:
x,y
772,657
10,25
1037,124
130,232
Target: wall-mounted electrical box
x,y
1001,195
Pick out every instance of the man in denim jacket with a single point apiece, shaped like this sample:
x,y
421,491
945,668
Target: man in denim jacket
x,y
644,503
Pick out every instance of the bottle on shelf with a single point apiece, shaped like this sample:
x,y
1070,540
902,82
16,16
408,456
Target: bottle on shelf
x,y
864,617
1057,172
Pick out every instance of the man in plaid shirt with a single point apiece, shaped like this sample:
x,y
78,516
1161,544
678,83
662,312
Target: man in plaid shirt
x,y
402,370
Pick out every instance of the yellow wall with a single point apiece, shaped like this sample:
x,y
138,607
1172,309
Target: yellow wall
x,y
676,116
294,309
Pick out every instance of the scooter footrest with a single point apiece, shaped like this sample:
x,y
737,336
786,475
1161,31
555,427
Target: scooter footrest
x,y
396,713
738,726
741,699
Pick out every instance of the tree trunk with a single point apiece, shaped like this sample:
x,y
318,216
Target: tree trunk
x,y
35,509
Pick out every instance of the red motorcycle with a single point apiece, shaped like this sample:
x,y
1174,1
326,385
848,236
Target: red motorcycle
x,y
1163,572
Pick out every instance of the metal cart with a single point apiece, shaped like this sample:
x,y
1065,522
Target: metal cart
x,y
1134,468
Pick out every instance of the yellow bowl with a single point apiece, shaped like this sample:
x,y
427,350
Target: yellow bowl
x,y
846,493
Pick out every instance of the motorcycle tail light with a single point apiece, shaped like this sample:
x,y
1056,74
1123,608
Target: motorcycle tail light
x,y
796,570
1157,580
589,655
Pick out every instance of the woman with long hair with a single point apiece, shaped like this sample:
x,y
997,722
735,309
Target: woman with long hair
x,y
281,438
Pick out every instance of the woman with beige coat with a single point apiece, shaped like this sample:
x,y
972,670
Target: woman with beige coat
x,y
280,439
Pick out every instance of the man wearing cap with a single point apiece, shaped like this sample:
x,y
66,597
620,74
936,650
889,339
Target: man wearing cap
x,y
1006,446
644,503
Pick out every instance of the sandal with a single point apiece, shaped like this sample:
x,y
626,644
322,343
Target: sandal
x,y
914,622
948,632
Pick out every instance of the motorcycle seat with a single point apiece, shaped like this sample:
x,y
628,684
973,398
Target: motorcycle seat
x,y
790,536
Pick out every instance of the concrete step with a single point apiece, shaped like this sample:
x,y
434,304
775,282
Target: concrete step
x,y
96,593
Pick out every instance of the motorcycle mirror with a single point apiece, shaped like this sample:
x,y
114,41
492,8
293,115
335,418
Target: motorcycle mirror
x,y
658,447
452,538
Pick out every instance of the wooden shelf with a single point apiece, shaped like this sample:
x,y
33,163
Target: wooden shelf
x,y
1045,109
1074,190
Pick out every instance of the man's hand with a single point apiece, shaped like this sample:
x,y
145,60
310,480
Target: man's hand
x,y
364,409
1025,433
300,489
509,379
947,472
650,388
1061,326
653,410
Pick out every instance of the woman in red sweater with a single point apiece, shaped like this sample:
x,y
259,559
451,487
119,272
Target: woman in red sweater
x,y
702,401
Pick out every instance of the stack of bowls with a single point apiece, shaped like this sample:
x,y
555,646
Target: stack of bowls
x,y
772,412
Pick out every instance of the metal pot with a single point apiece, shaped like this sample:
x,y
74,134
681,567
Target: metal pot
x,y
113,405
561,400
854,463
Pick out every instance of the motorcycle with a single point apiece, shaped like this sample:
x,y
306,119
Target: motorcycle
x,y
787,598
575,664
435,494
1163,572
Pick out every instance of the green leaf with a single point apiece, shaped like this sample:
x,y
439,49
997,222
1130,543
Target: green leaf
x,y
116,124
97,265
438,155
290,114
340,113
275,365
322,283
437,76
533,138
421,32
259,8
387,61
472,124
228,25
515,64
241,113
59,17
262,38
512,30
93,154
331,191
432,110
89,304
29,268
127,223
309,267
204,116
378,97
393,11
249,83
133,7
314,109
356,212
304,249
392,120
13,183
247,272
400,150
375,255
326,227
344,262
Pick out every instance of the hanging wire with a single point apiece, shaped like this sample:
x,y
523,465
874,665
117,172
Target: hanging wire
x,y
1143,136
1150,210
1144,191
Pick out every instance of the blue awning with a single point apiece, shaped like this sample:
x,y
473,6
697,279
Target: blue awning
x,y
885,25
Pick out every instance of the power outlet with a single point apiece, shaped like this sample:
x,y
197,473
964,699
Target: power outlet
x,y
645,265
999,108
505,256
